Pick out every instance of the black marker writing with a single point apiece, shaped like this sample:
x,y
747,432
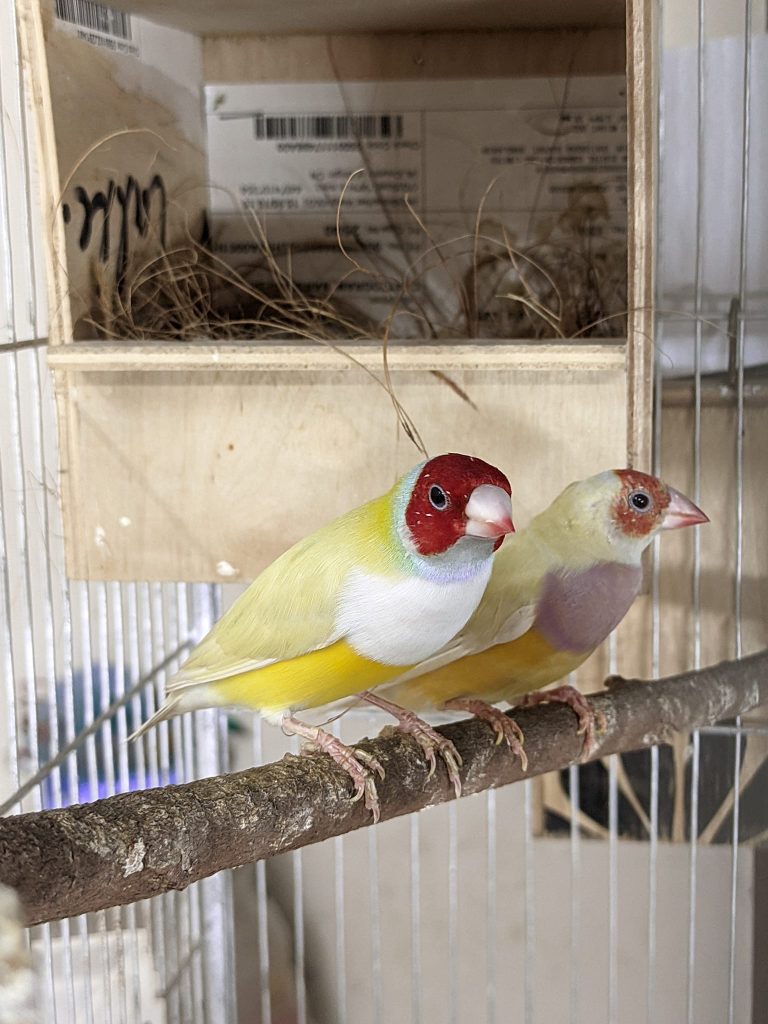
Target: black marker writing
x,y
127,196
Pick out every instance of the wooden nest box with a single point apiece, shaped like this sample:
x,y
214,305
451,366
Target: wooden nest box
x,y
202,460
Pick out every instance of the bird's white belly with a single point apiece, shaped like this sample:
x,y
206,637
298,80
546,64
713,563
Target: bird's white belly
x,y
401,622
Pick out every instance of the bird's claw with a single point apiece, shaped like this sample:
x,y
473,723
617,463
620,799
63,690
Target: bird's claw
x,y
591,722
429,739
505,728
358,764
365,790
370,761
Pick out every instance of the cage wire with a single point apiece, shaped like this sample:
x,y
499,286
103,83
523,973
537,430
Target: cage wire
x,y
502,907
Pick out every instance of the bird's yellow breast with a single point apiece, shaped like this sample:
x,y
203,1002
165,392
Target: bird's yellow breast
x,y
310,680
503,672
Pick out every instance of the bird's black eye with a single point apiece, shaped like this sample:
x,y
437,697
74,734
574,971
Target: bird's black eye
x,y
438,498
640,501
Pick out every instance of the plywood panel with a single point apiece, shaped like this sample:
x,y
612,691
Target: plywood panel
x,y
292,16
211,474
399,55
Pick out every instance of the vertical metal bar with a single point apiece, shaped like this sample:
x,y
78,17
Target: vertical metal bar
x,y
7,653
262,918
138,778
375,925
653,841
114,625
741,324
613,868
106,964
183,943
194,625
80,591
84,943
7,649
118,978
299,936
737,597
159,760
182,736
693,877
574,781
45,593
145,749
228,966
17,487
491,896
696,583
105,699
453,913
123,920
99,621
697,312
177,603
416,982
164,907
693,827
530,905
149,648
179,935
163,730
115,611
341,923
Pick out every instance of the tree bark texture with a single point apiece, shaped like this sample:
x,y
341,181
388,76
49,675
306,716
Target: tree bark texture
x,y
136,845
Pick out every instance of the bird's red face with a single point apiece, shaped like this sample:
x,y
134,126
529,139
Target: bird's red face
x,y
458,496
645,504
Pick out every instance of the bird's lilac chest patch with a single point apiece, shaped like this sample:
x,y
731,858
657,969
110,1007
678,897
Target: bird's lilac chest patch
x,y
576,611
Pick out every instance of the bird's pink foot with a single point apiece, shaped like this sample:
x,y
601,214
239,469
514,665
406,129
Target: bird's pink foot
x,y
429,739
506,728
590,721
358,764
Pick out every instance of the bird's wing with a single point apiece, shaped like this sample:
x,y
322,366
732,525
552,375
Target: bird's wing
x,y
290,609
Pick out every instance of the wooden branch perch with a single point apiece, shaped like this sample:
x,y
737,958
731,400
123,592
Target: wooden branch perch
x,y
136,845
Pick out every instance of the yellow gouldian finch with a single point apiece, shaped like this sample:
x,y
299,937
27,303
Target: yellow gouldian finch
x,y
558,588
353,605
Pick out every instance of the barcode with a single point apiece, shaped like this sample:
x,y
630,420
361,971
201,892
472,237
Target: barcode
x,y
328,126
96,17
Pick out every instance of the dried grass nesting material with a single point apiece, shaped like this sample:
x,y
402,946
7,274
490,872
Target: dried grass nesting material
x,y
570,283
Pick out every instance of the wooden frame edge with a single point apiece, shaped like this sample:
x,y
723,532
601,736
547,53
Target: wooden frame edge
x,y
35,63
60,333
85,357
642,117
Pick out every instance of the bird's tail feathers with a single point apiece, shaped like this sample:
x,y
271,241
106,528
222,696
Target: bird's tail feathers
x,y
173,706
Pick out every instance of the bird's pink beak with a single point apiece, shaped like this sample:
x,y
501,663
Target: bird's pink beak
x,y
489,513
682,512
